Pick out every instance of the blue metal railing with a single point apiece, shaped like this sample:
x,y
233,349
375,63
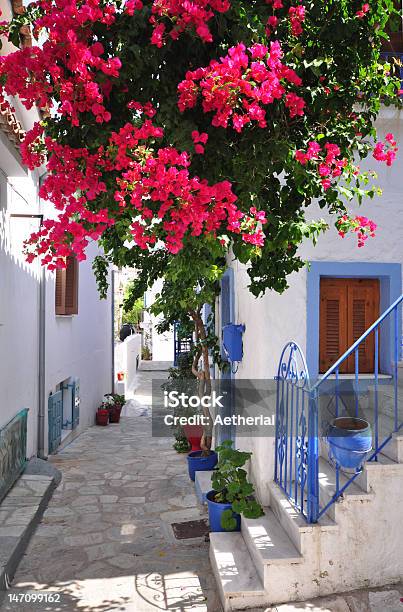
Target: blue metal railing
x,y
182,344
300,435
396,60
13,443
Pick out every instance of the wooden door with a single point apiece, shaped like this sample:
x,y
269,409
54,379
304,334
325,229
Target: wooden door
x,y
348,307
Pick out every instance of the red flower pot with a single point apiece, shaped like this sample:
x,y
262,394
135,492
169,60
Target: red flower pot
x,y
193,434
114,413
102,417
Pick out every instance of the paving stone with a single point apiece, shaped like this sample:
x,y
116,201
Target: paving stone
x,y
385,600
106,540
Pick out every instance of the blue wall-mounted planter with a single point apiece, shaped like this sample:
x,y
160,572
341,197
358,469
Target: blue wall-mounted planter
x,y
232,341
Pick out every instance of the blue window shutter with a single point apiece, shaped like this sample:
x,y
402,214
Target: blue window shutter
x,y
55,418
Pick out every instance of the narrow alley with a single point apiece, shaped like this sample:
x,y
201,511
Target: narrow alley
x,y
106,542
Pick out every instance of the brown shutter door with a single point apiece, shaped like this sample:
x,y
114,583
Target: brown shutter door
x,y
71,295
60,292
363,310
332,324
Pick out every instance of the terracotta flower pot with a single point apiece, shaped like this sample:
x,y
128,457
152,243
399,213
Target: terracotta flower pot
x,y
114,413
193,434
102,417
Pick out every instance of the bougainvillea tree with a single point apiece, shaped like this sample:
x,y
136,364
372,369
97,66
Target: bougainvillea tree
x,y
175,132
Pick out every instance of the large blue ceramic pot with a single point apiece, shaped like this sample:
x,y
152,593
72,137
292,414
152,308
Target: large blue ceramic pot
x,y
350,440
198,463
215,511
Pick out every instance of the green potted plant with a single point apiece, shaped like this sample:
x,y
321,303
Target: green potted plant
x,y
114,403
181,444
232,494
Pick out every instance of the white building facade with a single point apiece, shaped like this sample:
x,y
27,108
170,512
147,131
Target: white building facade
x,y
42,352
357,541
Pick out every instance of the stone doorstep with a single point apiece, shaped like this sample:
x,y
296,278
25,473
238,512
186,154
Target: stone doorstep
x,y
14,539
203,485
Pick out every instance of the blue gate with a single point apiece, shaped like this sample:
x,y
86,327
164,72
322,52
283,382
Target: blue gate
x,y
55,420
298,436
182,343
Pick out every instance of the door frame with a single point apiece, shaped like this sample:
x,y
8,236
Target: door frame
x,y
390,285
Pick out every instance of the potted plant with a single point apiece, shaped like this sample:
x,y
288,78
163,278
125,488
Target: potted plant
x,y
232,494
350,440
201,461
182,380
114,403
181,445
193,434
102,415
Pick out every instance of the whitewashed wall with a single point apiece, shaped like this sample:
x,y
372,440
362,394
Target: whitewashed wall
x,y
162,344
273,320
128,360
19,308
80,346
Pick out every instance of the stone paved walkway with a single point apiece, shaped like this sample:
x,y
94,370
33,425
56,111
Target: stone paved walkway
x,y
106,542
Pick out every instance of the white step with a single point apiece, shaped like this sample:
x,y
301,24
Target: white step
x,y
295,525
203,485
268,543
327,488
383,468
394,449
238,583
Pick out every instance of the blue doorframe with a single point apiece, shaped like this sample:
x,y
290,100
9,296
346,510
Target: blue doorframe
x,y
390,277
227,315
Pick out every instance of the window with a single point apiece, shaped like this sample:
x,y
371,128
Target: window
x,y
66,290
348,306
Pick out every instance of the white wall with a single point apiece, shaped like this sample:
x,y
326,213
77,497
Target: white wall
x,y
162,344
273,320
80,346
128,360
19,301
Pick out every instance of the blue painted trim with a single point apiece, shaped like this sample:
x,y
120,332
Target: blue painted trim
x,y
227,431
390,276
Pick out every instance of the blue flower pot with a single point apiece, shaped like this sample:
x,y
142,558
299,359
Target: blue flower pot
x,y
350,440
197,463
215,511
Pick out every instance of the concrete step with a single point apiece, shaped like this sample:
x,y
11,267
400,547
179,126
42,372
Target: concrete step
x,y
294,524
203,485
382,469
239,585
327,488
20,513
268,543
394,449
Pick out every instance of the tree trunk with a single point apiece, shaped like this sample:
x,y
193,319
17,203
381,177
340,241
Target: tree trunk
x,y
204,378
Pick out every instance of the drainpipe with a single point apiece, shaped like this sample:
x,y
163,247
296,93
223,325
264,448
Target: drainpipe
x,y
41,354
113,329
42,365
